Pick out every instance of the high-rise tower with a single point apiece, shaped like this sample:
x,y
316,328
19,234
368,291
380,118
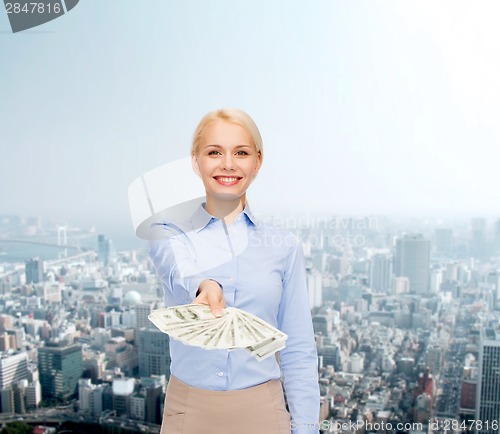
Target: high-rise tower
x,y
412,260
381,272
488,389
496,239
34,270
154,352
103,248
60,367
142,311
478,239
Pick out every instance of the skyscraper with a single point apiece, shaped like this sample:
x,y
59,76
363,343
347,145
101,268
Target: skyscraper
x,y
103,248
154,393
380,272
412,260
60,367
142,312
154,353
478,238
34,270
488,390
493,278
13,368
496,239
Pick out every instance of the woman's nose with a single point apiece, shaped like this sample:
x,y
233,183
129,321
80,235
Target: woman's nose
x,y
228,162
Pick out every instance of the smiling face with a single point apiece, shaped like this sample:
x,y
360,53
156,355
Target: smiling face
x,y
226,160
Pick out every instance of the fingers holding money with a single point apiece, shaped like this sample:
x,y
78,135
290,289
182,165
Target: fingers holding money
x,y
194,324
210,293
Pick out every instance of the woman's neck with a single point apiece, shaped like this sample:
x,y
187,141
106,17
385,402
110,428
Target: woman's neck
x,y
226,210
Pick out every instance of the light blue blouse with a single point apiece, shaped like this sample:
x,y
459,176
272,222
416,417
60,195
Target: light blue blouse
x,y
261,269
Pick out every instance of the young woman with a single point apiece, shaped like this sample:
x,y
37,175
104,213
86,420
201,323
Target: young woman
x,y
226,257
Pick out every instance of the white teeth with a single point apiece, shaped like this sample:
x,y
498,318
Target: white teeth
x,y
227,179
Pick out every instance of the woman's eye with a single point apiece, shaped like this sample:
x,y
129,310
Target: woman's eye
x,y
242,153
213,153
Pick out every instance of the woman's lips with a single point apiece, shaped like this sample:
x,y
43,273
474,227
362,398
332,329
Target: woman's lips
x,y
227,180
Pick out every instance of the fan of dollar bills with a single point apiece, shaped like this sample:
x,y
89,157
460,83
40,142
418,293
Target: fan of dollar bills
x,y
194,324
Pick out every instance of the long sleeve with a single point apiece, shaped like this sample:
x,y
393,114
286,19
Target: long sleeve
x,y
263,274
175,267
299,361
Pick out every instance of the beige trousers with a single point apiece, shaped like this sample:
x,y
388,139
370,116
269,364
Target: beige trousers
x,y
259,409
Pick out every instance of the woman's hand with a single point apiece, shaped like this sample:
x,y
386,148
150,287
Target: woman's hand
x,y
210,293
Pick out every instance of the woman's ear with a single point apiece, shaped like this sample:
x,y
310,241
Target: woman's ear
x,y
194,163
259,163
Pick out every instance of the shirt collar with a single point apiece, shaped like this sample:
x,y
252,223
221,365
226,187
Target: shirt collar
x,y
201,217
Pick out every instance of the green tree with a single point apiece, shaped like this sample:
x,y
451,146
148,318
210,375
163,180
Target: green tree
x,y
18,428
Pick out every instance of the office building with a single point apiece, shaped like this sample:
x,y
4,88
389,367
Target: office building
x,y
493,278
19,390
123,388
33,394
154,354
34,270
142,312
13,368
121,354
7,401
412,260
436,279
138,405
488,388
90,397
60,367
468,391
496,239
103,245
154,395
380,272
478,238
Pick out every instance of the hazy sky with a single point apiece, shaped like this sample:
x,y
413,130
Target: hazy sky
x,y
364,106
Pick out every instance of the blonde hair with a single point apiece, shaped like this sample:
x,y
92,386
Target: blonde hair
x,y
233,116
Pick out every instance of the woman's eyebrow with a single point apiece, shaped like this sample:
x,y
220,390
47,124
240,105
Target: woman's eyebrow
x,y
214,145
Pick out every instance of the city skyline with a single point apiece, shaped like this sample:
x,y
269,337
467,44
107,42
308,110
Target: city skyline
x,y
390,349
